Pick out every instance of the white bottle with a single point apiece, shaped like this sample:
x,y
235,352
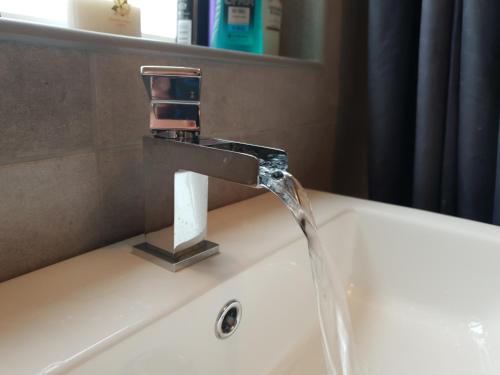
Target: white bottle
x,y
115,17
272,26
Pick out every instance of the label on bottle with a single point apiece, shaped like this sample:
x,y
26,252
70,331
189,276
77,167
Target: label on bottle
x,y
273,19
184,31
184,21
238,19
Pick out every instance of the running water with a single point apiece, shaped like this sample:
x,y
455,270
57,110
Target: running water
x,y
330,295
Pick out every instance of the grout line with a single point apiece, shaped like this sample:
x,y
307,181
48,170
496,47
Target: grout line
x,y
93,100
96,137
58,155
239,133
122,147
64,154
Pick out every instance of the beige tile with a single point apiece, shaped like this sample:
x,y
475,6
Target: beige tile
x,y
49,211
45,101
121,104
122,193
240,99
221,193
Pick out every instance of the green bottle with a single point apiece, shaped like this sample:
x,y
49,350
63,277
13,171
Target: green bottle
x,y
237,25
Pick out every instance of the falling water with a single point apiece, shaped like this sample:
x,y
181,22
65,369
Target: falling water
x,y
330,296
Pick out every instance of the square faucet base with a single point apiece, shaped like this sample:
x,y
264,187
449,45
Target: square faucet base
x,y
184,258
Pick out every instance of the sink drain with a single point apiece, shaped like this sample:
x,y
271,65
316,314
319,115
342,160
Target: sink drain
x,y
228,319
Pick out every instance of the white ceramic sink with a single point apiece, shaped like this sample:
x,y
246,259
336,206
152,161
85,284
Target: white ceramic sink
x,y
423,292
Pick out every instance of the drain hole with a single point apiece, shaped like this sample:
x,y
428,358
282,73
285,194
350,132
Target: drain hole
x,y
228,319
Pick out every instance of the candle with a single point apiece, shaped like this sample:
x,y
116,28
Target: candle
x,y
107,16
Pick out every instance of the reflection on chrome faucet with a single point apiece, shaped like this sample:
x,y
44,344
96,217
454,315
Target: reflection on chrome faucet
x,y
177,161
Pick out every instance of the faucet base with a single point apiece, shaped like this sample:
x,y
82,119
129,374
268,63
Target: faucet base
x,y
184,258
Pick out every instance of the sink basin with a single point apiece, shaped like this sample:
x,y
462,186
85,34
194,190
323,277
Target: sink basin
x,y
422,290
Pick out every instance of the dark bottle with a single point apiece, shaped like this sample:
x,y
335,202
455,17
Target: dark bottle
x,y
192,22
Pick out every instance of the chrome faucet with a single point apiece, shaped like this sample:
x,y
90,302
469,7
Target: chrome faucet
x,y
177,161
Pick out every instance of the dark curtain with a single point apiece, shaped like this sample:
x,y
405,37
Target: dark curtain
x,y
434,105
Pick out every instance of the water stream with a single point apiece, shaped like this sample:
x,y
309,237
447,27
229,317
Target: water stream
x,y
330,295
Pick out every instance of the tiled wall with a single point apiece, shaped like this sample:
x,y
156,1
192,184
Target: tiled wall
x,y
72,117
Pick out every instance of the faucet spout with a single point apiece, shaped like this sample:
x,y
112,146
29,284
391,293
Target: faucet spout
x,y
227,160
177,164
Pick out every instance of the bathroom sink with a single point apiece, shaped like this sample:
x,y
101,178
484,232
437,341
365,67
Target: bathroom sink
x,y
422,289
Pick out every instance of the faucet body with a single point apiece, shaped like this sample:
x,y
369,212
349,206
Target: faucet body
x,y
177,163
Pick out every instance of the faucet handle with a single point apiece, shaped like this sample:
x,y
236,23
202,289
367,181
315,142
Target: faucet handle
x,y
174,94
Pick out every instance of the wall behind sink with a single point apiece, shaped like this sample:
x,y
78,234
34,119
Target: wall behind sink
x,y
73,115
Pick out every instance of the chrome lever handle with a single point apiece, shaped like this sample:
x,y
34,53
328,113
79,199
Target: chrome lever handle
x,y
174,94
